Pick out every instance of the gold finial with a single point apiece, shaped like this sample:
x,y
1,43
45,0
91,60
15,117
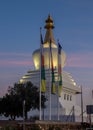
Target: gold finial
x,y
49,23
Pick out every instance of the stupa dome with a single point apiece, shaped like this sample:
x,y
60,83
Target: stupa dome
x,y
36,58
49,35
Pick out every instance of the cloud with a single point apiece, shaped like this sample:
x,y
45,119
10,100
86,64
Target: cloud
x,y
15,54
15,59
15,63
80,60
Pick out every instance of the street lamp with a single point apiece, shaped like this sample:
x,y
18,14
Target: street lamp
x,y
23,114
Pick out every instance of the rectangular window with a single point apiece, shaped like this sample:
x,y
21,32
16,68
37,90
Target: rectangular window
x,y
70,97
67,97
64,96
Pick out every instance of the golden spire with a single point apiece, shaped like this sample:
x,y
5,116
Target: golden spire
x,y
49,34
49,23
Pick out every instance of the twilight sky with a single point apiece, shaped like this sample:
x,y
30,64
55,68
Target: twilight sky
x,y
20,21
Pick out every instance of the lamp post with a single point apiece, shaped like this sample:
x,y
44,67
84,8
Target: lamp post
x,y
23,114
81,105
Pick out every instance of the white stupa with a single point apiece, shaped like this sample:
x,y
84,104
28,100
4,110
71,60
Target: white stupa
x,y
70,88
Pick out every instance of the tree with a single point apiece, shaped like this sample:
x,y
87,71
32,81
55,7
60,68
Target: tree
x,y
9,106
12,102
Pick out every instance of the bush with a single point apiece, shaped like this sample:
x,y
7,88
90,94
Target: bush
x,y
34,127
9,128
54,128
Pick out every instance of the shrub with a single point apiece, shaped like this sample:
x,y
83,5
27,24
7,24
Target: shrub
x,y
34,127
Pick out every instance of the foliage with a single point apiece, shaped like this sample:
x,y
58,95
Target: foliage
x,y
51,127
57,128
12,103
8,128
54,127
34,127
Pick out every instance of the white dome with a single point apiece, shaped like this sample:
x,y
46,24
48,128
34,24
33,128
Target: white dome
x,y
36,58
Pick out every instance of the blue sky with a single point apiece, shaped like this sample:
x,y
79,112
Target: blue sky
x,y
20,21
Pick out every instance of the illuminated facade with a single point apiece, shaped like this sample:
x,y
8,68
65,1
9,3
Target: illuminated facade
x,y
70,88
